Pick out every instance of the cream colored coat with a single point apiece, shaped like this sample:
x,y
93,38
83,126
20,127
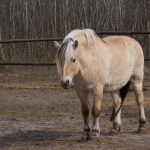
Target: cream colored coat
x,y
112,65
98,66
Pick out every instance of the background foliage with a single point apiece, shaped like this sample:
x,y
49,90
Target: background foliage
x,y
23,19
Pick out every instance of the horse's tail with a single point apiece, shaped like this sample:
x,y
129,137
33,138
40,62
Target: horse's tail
x,y
123,92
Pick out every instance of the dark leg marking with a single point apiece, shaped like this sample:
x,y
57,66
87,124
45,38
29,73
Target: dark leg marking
x,y
95,113
86,135
85,111
142,127
94,137
115,129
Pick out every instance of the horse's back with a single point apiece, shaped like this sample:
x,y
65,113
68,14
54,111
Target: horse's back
x,y
127,60
127,48
124,43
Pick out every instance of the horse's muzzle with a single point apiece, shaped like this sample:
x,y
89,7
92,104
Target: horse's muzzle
x,y
65,84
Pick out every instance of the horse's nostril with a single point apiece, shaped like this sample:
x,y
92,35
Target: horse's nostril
x,y
67,82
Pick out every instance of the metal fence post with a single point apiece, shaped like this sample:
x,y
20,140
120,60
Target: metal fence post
x,y
82,24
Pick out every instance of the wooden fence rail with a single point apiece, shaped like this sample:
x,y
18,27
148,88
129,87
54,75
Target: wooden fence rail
x,y
27,64
123,32
30,40
60,39
36,64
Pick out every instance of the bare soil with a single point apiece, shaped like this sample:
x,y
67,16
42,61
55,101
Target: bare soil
x,y
36,113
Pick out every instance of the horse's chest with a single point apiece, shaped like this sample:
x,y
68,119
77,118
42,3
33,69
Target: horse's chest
x,y
85,82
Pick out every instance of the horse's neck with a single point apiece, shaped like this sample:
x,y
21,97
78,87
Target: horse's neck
x,y
92,47
92,53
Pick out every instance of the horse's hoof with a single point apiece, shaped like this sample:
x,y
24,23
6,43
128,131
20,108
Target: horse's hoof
x,y
94,139
142,131
114,132
84,138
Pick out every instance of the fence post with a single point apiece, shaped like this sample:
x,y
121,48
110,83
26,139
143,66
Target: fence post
x,y
1,50
82,24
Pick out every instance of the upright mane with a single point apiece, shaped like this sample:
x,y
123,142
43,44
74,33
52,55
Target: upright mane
x,y
65,52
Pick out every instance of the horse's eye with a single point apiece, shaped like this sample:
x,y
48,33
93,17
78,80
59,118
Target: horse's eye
x,y
73,60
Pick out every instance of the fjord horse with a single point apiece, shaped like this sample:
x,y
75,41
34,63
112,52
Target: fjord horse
x,y
101,65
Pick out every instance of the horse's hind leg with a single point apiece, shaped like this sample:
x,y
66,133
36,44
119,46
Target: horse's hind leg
x,y
117,121
83,96
137,87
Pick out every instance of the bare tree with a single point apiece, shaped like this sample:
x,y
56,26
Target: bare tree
x,y
55,18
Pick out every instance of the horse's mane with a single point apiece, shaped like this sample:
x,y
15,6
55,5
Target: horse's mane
x,y
65,52
87,32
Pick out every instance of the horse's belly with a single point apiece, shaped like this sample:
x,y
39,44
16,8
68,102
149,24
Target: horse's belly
x,y
110,88
119,75
116,84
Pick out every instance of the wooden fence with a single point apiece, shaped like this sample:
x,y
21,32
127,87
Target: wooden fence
x,y
60,39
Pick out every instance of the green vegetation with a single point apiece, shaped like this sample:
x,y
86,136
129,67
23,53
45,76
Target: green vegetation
x,y
146,70
34,74
52,75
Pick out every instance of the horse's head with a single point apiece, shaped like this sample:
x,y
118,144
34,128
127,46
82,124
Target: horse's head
x,y
67,61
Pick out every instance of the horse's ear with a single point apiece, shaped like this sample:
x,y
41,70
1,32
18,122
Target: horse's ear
x,y
75,45
57,45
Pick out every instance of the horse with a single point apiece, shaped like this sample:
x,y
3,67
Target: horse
x,y
97,66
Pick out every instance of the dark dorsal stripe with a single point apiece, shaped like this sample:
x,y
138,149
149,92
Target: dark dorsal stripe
x,y
61,50
100,38
63,47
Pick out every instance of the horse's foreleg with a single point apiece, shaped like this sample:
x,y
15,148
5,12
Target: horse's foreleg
x,y
98,92
137,87
87,127
83,96
117,121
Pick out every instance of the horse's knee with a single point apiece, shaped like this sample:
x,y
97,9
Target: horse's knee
x,y
85,111
96,112
137,86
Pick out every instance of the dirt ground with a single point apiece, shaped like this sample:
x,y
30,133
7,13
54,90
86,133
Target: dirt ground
x,y
37,114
